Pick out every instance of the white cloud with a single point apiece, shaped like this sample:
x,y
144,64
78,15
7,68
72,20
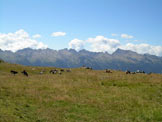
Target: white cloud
x,y
97,44
143,48
103,44
36,36
19,40
56,34
114,34
126,36
76,44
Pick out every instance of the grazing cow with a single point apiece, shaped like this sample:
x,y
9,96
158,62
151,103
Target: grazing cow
x,y
62,70
108,71
138,71
41,72
53,71
59,72
25,73
143,72
13,72
89,68
128,72
84,67
133,73
68,70
33,69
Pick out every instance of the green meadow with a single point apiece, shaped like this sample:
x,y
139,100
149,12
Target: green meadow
x,y
81,95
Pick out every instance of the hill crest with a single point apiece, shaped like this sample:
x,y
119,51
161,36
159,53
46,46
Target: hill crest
x,y
70,58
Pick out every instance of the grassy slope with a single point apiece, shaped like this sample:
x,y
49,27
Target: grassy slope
x,y
81,95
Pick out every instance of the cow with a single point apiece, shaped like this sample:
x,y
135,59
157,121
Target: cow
x,y
33,69
128,72
138,71
133,72
13,72
25,73
41,72
89,68
62,70
68,70
108,71
143,72
53,71
59,72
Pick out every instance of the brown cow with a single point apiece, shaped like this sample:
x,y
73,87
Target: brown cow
x,y
108,71
128,72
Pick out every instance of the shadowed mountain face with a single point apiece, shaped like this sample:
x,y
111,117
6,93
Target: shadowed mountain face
x,y
119,60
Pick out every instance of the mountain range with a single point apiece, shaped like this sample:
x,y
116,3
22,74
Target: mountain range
x,y
70,58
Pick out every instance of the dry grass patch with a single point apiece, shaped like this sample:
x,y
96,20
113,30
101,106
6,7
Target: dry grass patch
x,y
80,95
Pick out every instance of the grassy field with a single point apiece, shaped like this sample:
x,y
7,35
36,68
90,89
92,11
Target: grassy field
x,y
78,96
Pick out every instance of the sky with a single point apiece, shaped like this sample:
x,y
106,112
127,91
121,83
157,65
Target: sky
x,y
94,25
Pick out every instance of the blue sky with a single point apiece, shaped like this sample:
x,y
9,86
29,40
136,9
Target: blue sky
x,y
84,19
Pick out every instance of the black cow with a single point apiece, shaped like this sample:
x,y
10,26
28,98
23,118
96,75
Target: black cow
x,y
143,72
89,68
128,72
25,73
13,72
62,70
53,71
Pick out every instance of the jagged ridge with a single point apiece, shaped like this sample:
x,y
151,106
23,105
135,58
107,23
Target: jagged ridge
x,y
66,58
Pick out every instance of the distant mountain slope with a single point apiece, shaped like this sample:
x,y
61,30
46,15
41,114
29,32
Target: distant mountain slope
x,y
120,59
